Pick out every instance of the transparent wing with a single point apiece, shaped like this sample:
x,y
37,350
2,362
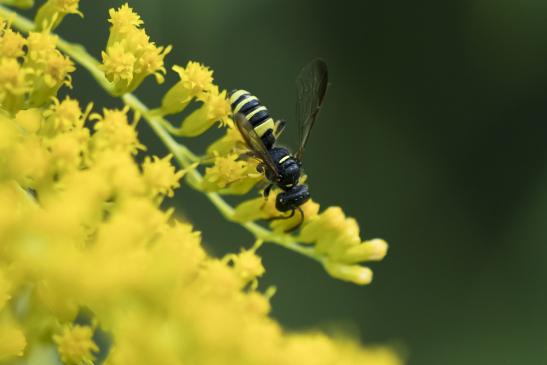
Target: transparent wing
x,y
311,87
254,143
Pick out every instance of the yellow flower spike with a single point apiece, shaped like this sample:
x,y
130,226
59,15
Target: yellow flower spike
x,y
12,341
52,12
82,229
11,44
353,273
75,345
113,131
195,80
130,56
216,108
160,176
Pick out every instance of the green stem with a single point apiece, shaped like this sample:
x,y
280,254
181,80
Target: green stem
x,y
181,153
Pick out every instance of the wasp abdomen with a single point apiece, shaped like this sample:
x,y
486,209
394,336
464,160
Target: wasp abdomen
x,y
243,102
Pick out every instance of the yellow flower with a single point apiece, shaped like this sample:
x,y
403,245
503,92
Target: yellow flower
x,y
62,117
195,80
75,345
247,265
123,19
216,108
160,176
113,131
118,64
14,84
195,77
130,56
49,67
11,44
67,149
40,46
150,62
229,175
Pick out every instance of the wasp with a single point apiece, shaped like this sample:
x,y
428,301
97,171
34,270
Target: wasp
x,y
260,133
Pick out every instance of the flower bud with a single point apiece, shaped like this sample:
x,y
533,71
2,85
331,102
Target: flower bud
x,y
353,273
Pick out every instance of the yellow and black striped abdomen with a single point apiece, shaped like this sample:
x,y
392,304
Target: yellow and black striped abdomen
x,y
243,102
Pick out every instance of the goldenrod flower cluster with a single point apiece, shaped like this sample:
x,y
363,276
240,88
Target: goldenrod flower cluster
x,y
130,56
31,69
82,228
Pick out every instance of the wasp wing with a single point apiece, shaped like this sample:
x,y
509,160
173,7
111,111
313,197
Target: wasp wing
x,y
311,86
254,143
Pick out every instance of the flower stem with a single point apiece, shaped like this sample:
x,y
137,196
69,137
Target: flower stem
x,y
181,153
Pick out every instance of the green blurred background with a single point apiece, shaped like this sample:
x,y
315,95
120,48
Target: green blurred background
x,y
433,136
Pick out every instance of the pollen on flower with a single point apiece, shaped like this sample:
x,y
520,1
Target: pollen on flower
x,y
75,345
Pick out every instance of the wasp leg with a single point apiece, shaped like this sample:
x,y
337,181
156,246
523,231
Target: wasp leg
x,y
279,217
299,223
267,191
266,194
